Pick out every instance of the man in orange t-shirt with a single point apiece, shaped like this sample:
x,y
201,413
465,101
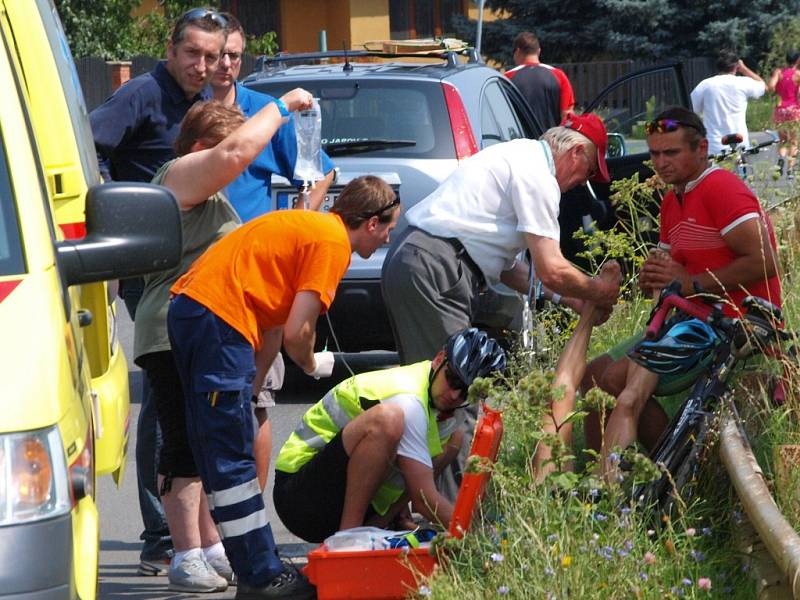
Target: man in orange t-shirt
x,y
264,283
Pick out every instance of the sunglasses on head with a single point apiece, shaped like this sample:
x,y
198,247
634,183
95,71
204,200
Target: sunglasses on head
x,y
668,126
198,14
380,211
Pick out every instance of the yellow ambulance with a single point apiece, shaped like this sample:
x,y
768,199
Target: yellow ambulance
x,y
64,404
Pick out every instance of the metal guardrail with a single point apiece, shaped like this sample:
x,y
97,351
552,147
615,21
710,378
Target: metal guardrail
x,y
775,532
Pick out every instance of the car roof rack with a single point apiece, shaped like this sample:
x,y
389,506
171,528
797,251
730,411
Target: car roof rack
x,y
450,56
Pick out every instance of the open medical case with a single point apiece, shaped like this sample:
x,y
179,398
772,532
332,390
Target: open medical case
x,y
385,574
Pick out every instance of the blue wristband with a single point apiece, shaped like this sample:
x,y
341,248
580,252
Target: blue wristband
x,y
282,107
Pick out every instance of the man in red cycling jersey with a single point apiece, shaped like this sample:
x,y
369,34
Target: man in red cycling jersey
x,y
713,233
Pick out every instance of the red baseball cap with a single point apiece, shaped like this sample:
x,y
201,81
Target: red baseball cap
x,y
592,127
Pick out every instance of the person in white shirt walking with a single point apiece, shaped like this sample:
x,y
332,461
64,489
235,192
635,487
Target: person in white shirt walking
x,y
722,99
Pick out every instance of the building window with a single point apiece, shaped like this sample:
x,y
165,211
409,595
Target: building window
x,y
413,19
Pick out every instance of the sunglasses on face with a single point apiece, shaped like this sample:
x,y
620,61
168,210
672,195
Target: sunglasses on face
x,y
380,211
198,14
455,382
668,126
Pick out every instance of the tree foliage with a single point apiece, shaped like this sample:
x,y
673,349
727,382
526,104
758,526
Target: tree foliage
x,y
655,30
108,29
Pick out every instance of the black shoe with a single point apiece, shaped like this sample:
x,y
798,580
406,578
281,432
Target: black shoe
x,y
289,584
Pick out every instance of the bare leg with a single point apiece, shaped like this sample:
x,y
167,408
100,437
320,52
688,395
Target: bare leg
x,y
569,373
262,447
370,441
182,508
622,424
209,535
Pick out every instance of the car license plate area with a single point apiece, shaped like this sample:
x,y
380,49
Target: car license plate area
x,y
285,200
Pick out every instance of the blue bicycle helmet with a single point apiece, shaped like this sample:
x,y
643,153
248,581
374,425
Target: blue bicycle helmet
x,y
685,345
472,353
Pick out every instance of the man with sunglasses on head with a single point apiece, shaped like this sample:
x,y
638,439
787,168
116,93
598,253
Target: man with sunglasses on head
x,y
251,196
713,233
134,132
374,442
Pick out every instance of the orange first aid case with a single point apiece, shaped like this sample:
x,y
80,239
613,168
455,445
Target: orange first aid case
x,y
386,574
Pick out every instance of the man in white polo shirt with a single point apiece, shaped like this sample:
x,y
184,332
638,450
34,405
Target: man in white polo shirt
x,y
467,233
722,100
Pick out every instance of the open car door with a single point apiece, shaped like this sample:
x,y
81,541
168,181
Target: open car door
x,y
624,106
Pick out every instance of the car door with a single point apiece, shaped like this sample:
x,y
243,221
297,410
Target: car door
x,y
625,106
504,114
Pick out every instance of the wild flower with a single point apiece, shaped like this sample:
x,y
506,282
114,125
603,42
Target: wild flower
x,y
643,576
651,532
697,555
600,517
691,531
649,558
424,590
552,538
496,557
566,561
704,583
503,590
686,581
706,531
548,571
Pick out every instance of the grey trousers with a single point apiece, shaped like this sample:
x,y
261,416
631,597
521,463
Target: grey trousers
x,y
431,290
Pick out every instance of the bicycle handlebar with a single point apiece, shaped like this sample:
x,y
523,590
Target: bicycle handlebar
x,y
670,298
733,140
761,316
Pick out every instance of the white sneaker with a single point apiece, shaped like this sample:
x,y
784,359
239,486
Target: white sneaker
x,y
222,566
194,574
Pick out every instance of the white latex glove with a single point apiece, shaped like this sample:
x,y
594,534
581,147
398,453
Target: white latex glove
x,y
323,365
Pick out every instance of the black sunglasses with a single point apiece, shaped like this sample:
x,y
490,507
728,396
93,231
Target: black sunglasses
x,y
668,126
454,381
198,14
380,211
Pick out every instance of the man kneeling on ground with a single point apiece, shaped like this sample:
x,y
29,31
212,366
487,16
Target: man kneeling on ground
x,y
375,441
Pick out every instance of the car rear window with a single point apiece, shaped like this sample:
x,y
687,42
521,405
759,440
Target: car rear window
x,y
380,118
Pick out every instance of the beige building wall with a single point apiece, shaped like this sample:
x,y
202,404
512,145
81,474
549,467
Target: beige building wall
x,y
369,20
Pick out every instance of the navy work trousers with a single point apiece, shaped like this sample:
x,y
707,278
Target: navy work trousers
x,y
217,366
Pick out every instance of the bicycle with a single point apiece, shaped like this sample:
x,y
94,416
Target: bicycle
x,y
739,153
681,448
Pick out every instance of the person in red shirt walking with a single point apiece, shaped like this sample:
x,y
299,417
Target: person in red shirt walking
x,y
546,88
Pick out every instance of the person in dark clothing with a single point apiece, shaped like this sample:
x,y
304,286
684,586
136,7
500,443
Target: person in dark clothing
x,y
546,88
134,131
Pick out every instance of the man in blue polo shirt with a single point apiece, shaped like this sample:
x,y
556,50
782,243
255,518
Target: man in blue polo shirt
x,y
251,196
250,193
134,131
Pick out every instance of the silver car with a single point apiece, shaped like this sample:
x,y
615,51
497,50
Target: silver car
x,y
411,123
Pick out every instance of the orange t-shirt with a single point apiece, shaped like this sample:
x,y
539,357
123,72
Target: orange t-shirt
x,y
250,277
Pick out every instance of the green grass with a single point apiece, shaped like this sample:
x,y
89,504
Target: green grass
x,y
575,538
759,113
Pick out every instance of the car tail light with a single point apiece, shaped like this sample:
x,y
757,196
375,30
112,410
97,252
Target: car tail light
x,y
463,138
